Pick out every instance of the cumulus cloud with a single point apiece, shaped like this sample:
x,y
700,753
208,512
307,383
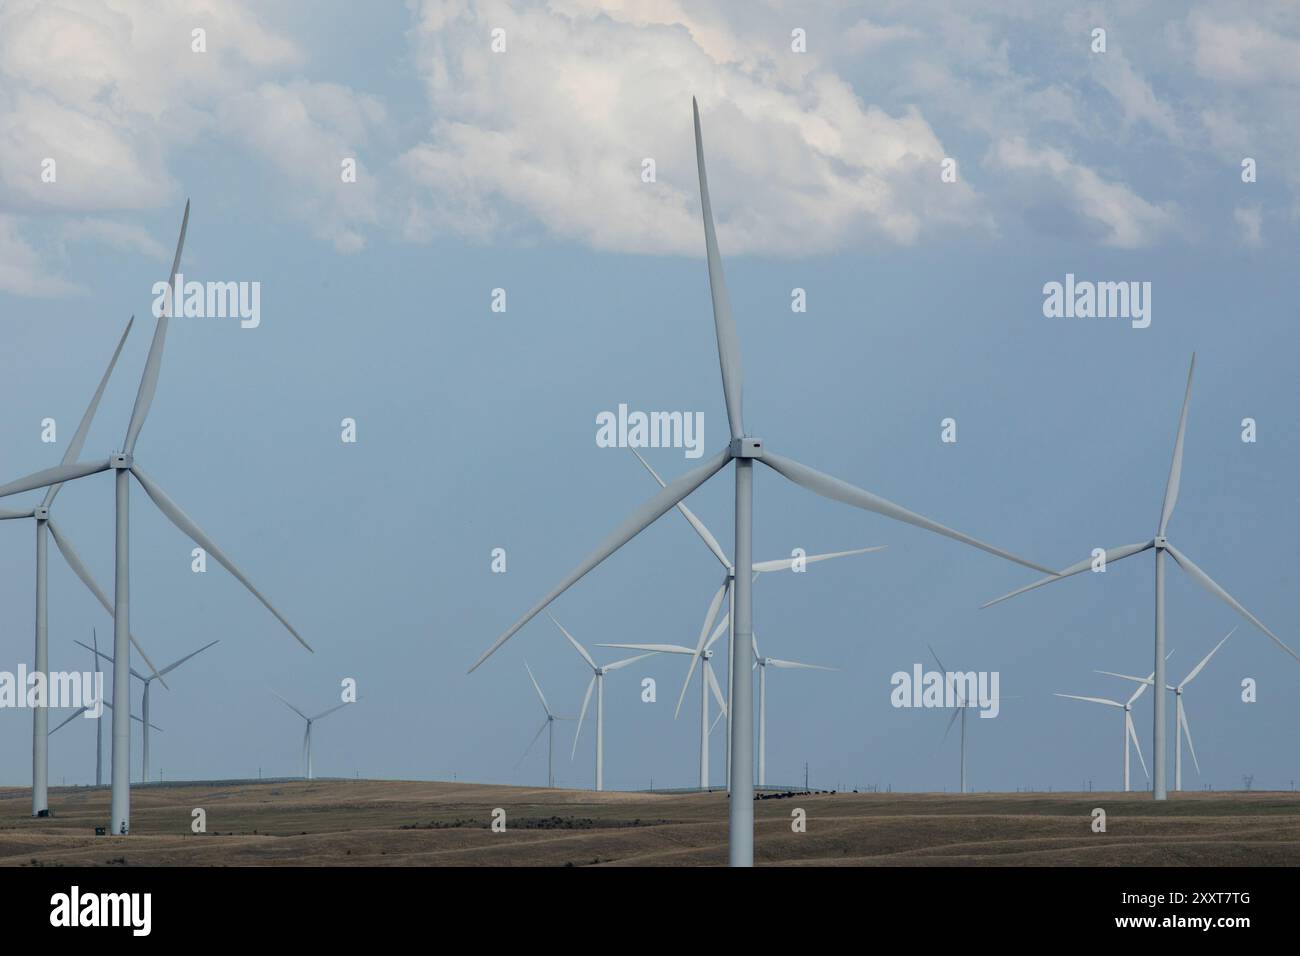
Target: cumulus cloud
x,y
1111,212
557,127
23,270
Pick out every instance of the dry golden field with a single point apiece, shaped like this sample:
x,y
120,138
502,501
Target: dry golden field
x,y
404,823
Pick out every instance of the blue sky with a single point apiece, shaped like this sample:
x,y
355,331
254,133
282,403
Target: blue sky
x,y
476,430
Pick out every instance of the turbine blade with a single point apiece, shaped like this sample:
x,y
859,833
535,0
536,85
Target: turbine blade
x,y
149,379
784,564
79,439
572,640
1095,700
657,648
326,713
715,606
193,531
625,532
68,720
591,685
1206,659
717,691
690,672
689,515
532,743
537,687
1176,466
724,326
753,639
956,711
1141,680
716,720
1112,555
290,706
623,663
100,654
1187,732
81,571
171,667
837,490
53,476
1205,581
1132,732
936,659
775,662
6,515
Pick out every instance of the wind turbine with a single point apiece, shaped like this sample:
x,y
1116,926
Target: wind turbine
x,y
763,663
1180,713
959,710
549,724
729,575
306,737
1130,732
744,450
1161,545
147,680
123,464
81,710
44,524
598,682
703,655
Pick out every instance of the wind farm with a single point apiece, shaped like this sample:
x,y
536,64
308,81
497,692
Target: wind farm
x,y
693,807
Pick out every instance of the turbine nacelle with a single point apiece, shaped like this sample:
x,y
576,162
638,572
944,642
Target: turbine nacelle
x,y
1160,542
119,460
746,448
41,513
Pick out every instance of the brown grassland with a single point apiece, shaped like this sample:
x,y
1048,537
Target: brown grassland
x,y
408,823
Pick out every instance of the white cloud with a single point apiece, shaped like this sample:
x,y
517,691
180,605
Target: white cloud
x,y
557,128
1110,211
1236,49
119,235
23,270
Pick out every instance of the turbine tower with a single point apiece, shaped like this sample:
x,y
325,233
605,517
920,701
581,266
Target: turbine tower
x,y
1162,546
763,663
549,725
744,450
729,571
146,680
598,682
46,529
123,464
1180,712
306,737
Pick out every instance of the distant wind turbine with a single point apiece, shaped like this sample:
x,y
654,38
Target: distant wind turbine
x,y
306,737
45,523
1180,712
1161,545
146,680
598,682
549,725
744,450
1130,733
123,464
763,663
729,575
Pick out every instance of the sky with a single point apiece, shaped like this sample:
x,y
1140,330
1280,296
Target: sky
x,y
523,170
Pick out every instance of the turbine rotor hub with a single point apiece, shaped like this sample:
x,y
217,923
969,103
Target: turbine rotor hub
x,y
746,447
120,460
41,513
1161,542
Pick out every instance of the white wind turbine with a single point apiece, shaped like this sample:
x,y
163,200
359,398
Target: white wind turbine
x,y
45,523
549,725
306,737
1130,732
744,450
146,680
1161,545
81,710
729,575
598,682
763,663
123,464
701,654
1180,713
